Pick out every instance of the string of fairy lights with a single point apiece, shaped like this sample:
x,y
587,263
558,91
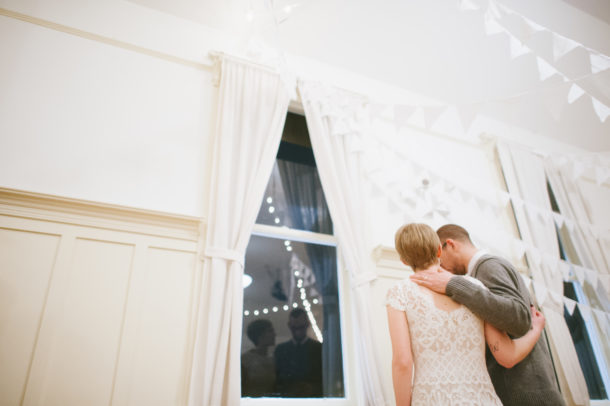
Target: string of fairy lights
x,y
300,285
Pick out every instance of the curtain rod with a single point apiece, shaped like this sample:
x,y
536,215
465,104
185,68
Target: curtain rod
x,y
106,40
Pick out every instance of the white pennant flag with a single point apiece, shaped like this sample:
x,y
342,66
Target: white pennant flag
x,y
431,114
575,92
467,113
564,267
545,70
591,276
601,175
492,26
517,48
585,311
468,5
532,27
402,113
570,304
605,281
559,219
562,45
602,319
580,273
599,62
601,109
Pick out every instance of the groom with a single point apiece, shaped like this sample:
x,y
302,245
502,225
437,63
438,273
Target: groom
x,y
505,304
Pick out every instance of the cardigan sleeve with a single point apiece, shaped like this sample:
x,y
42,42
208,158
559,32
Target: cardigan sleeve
x,y
503,305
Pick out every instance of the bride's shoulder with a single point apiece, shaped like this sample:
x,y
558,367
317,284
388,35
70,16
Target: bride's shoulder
x,y
397,295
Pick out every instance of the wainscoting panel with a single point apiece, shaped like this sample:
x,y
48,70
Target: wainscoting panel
x,y
24,281
97,303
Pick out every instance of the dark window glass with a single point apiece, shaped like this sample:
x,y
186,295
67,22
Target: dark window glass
x,y
291,345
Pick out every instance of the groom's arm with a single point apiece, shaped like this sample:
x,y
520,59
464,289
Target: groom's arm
x,y
501,304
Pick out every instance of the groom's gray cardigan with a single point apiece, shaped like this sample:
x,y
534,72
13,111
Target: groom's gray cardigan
x,y
506,305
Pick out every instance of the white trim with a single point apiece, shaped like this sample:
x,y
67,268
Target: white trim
x,y
294,235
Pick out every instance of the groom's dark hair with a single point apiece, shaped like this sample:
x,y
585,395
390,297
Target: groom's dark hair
x,y
454,232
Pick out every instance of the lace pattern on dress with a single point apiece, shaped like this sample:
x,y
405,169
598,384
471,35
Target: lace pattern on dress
x,y
448,350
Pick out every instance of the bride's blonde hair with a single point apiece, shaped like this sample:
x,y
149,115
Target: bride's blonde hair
x,y
417,244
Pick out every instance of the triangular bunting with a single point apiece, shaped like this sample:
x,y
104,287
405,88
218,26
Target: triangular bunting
x,y
579,271
492,26
599,62
545,70
467,113
591,276
402,113
562,45
575,92
605,281
533,255
601,109
585,311
517,48
564,267
532,27
570,304
431,114
558,219
601,175
468,5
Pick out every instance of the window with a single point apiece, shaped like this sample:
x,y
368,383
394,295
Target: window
x,y
292,343
584,334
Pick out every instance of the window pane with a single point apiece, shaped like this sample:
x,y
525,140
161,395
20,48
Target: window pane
x,y
291,353
583,346
294,197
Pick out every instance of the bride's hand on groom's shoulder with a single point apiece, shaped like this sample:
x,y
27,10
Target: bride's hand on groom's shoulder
x,y
435,280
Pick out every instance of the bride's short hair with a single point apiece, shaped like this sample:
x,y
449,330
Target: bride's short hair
x,y
417,244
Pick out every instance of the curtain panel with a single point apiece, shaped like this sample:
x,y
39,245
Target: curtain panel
x,y
337,123
525,177
252,107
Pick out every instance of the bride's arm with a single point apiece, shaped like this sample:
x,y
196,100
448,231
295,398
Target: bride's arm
x,y
402,358
509,352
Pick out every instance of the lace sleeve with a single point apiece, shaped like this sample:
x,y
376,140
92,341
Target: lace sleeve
x,y
395,298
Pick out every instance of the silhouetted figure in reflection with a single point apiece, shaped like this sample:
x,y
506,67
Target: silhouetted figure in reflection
x,y
257,367
298,362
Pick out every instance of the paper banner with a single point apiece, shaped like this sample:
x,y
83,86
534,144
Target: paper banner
x,y
431,114
564,267
517,48
570,305
602,320
585,311
556,298
545,70
558,219
575,93
467,114
579,271
601,175
492,26
468,5
591,276
599,62
562,45
402,114
532,27
601,109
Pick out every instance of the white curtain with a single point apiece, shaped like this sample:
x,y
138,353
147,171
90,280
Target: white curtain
x,y
525,177
336,122
252,107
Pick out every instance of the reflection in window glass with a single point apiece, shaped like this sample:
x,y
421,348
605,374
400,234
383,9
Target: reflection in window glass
x,y
292,346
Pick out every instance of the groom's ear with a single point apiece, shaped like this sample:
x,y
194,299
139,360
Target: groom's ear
x,y
439,251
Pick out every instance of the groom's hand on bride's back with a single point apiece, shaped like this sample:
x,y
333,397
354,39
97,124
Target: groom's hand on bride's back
x,y
435,280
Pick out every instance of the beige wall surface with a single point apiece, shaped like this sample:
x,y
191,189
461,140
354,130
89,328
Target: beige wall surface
x,y
96,306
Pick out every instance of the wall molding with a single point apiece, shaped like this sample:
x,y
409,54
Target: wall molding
x,y
19,203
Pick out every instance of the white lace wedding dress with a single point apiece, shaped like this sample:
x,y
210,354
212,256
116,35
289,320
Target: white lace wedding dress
x,y
448,350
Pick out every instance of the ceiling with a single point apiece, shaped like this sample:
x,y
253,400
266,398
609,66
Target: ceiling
x,y
436,49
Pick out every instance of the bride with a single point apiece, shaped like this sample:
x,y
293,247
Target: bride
x,y
440,341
